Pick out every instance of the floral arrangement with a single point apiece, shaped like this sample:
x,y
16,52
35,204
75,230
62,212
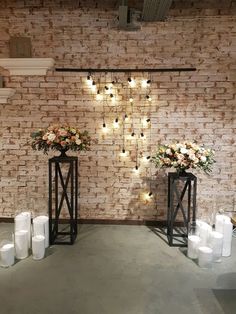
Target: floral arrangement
x,y
60,138
184,156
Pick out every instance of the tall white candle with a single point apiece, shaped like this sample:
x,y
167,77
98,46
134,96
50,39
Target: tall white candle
x,y
205,257
23,222
216,243
219,223
38,247
227,238
21,244
193,243
7,253
41,227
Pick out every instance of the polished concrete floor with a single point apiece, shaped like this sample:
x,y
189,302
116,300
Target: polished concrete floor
x,y
117,270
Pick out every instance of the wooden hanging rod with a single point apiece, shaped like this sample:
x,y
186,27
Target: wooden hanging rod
x,y
126,70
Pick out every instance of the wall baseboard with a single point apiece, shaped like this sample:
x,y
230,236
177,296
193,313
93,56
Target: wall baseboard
x,y
153,223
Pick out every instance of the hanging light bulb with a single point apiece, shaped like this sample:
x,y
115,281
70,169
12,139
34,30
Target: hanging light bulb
x,y
89,80
123,153
142,135
148,98
104,127
111,95
148,196
145,83
131,99
131,82
146,159
146,121
136,169
133,134
126,117
106,87
93,86
116,123
99,95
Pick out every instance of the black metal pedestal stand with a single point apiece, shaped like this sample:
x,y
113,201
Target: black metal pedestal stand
x,y
182,189
63,189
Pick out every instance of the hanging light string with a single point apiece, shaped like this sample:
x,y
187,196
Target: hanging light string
x,y
123,136
104,101
150,144
132,112
137,155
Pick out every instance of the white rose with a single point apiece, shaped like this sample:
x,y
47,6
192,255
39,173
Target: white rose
x,y
203,158
168,151
183,150
78,141
51,137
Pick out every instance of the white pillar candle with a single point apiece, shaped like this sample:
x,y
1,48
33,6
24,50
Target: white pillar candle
x,y
21,244
227,238
219,223
38,247
216,244
193,243
7,253
204,231
205,257
23,222
41,227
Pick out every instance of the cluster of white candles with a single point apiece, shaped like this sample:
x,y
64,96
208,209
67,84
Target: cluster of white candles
x,y
208,245
26,238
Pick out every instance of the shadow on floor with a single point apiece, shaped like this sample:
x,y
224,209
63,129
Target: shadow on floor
x,y
178,239
160,232
226,299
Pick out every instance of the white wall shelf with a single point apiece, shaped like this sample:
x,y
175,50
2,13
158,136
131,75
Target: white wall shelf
x,y
6,94
27,66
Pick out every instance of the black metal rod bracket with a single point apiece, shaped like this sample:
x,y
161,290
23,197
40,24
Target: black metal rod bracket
x,y
90,70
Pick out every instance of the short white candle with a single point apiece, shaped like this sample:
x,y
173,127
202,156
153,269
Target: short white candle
x,y
38,247
216,243
227,238
193,243
204,231
23,222
21,244
7,253
205,257
41,227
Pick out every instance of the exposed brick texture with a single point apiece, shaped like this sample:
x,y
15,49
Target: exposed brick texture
x,y
188,105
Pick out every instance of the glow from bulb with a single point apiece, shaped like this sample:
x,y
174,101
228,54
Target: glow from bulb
x,y
144,84
124,153
149,98
131,99
136,169
93,87
145,123
99,96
